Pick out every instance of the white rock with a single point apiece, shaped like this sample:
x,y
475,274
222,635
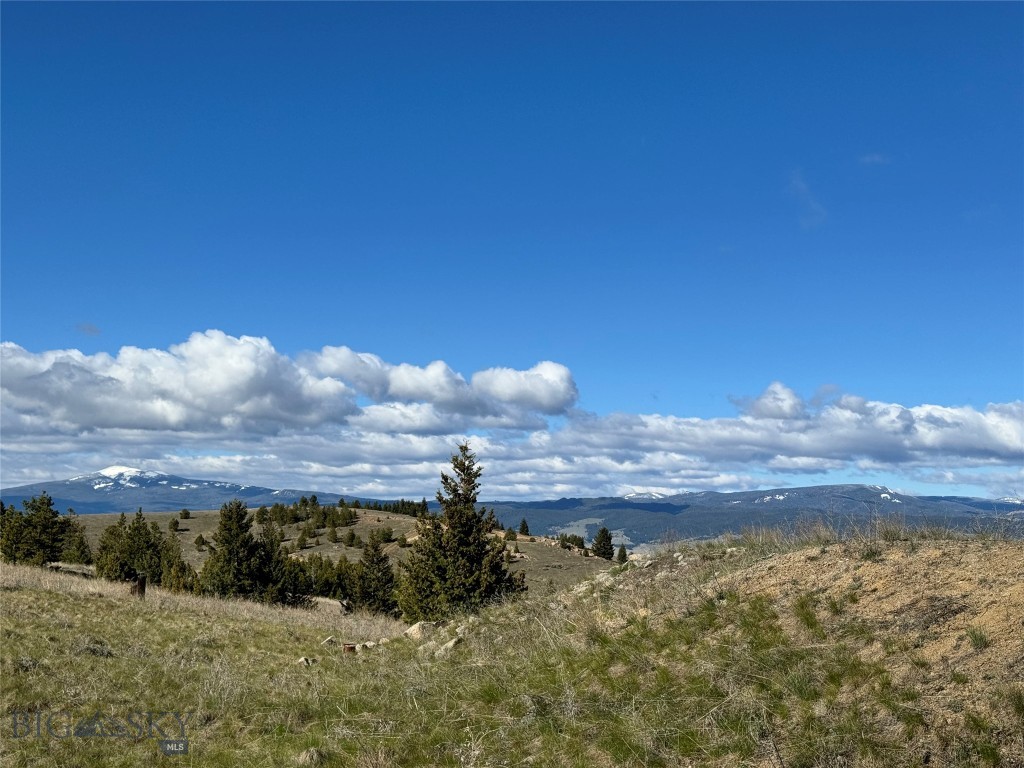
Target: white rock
x,y
446,649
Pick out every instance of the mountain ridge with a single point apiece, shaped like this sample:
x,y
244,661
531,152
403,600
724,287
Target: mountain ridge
x,y
639,518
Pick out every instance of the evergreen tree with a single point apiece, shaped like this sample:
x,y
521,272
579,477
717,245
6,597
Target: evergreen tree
x,y
76,547
35,536
287,582
376,580
602,546
236,567
524,529
112,560
321,575
12,531
175,574
454,565
129,550
621,557
142,545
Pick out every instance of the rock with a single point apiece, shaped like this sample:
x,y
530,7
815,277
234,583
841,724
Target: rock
x,y
307,662
427,648
446,649
384,641
369,644
421,630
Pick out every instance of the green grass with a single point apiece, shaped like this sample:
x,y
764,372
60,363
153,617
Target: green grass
x,y
979,640
644,671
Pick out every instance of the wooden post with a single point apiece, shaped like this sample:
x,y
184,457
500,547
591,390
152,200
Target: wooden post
x,y
138,586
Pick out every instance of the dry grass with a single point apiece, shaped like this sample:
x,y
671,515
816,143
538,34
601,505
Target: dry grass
x,y
769,649
357,627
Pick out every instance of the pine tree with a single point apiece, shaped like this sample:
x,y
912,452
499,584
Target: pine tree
x,y
454,565
602,546
524,529
76,547
112,560
129,550
376,579
175,574
236,566
35,536
621,557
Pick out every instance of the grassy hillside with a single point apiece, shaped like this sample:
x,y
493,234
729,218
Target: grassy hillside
x,y
546,566
899,648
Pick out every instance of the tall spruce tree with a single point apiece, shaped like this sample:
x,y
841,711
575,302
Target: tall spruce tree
x,y
376,579
602,546
454,565
236,567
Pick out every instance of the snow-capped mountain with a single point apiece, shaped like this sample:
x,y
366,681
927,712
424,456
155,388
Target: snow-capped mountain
x,y
640,517
648,517
125,489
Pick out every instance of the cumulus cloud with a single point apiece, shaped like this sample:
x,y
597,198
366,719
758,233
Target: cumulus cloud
x,y
211,383
777,402
495,396
547,387
234,408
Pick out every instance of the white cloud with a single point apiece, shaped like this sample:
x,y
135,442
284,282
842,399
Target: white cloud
x,y
212,382
777,402
231,408
547,387
495,396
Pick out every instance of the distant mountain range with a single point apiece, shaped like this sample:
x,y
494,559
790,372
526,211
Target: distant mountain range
x,y
647,518
125,489
640,518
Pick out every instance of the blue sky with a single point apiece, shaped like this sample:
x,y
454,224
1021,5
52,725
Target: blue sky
x,y
618,246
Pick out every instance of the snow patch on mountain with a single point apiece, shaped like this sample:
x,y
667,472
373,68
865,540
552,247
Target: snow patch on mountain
x,y
644,496
114,471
